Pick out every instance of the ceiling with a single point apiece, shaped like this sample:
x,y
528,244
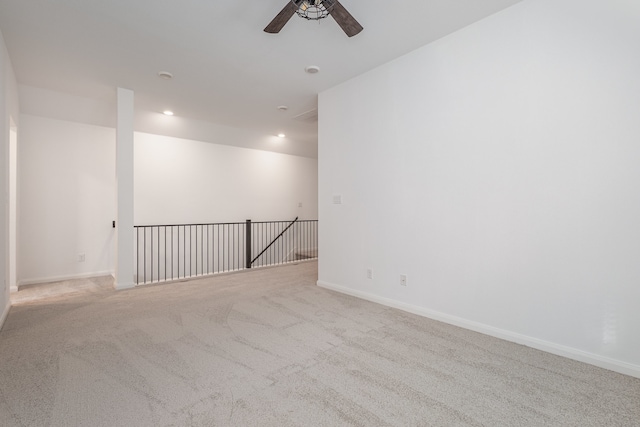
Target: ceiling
x,y
226,70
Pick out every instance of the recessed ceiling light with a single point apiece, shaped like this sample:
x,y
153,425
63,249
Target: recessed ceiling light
x,y
167,113
283,107
312,69
165,75
281,135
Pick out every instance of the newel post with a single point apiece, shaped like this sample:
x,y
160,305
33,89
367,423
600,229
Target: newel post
x,y
247,244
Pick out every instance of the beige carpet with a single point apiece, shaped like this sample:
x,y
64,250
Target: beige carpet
x,y
269,348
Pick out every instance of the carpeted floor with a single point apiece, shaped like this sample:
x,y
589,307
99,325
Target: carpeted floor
x,y
269,348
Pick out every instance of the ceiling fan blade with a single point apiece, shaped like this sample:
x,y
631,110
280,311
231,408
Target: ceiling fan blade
x,y
347,22
282,18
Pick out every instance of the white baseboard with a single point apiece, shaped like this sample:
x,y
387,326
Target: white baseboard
x,y
66,277
123,286
13,289
4,314
549,347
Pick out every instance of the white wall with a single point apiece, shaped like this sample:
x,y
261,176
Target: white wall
x,y
186,181
67,200
180,181
12,251
9,107
498,169
4,185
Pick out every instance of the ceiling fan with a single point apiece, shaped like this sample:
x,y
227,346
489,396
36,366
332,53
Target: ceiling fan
x,y
315,10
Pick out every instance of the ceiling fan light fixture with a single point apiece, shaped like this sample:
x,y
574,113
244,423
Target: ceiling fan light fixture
x,y
312,10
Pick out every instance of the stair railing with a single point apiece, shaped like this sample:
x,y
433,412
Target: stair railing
x,y
182,251
250,262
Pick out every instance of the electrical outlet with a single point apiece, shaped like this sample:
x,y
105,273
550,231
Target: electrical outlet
x,y
80,257
369,273
403,280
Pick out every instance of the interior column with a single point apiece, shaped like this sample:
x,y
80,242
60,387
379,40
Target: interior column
x,y
124,186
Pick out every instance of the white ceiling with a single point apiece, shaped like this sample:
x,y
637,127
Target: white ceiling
x,y
227,70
